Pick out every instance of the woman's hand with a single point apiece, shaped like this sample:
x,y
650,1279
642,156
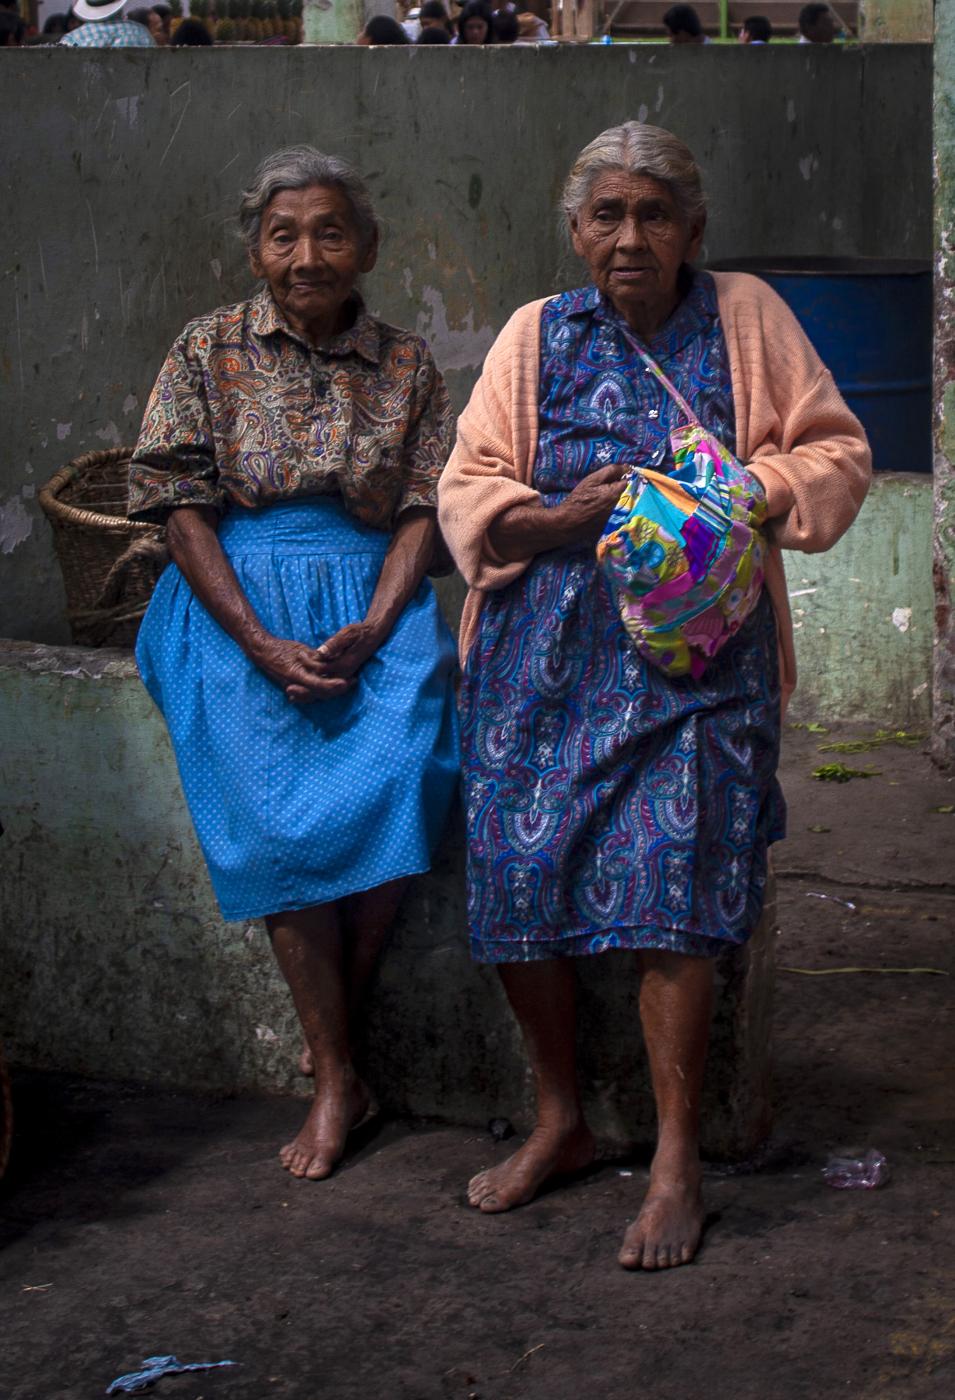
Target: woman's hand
x,y
584,513
523,531
344,654
300,670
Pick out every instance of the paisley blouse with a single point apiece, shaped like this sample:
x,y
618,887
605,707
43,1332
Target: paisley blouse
x,y
246,413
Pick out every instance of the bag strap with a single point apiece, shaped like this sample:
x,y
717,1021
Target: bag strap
x,y
655,369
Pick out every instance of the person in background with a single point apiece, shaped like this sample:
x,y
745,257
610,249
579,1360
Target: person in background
x,y
475,24
435,35
817,24
12,29
382,29
105,28
433,15
164,14
506,27
533,30
150,20
55,26
756,30
683,26
192,33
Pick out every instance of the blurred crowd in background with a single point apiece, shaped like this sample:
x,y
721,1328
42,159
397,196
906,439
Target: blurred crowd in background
x,y
127,24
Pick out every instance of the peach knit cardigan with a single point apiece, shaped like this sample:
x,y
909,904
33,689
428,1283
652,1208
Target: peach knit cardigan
x,y
792,427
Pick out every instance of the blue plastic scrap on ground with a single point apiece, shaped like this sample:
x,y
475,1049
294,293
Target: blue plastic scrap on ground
x,y
154,1368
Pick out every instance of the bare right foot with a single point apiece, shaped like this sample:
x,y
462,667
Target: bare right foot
x,y
305,1063
547,1153
335,1110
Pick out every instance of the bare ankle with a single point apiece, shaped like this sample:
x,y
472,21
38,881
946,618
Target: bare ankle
x,y
563,1119
676,1162
332,1076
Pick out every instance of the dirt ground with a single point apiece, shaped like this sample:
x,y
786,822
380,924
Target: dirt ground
x,y
137,1222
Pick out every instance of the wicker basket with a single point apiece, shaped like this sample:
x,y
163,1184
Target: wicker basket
x,y
110,564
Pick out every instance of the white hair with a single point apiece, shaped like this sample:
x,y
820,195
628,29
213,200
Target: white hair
x,y
296,168
639,150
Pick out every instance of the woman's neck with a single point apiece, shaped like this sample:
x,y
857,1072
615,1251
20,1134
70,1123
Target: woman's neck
x,y
320,330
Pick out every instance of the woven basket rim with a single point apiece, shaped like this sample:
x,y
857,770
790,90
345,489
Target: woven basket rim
x,y
58,510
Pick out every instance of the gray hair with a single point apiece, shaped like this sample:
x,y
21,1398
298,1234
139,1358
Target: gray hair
x,y
296,168
639,150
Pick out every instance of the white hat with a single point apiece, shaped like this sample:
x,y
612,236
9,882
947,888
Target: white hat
x,y
97,9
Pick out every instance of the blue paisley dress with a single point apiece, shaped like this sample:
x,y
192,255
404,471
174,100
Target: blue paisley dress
x,y
608,805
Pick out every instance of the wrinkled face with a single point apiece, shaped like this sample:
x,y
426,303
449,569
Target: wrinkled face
x,y
311,255
475,30
634,239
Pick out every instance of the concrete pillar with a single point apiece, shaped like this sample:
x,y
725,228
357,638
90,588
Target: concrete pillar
x,y
333,21
943,691
341,21
895,21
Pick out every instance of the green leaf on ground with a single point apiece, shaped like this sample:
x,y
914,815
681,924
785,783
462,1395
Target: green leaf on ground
x,y
947,808
900,737
839,773
818,829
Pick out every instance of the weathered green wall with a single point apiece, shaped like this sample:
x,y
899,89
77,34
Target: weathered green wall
x,y
121,173
943,681
115,960
863,612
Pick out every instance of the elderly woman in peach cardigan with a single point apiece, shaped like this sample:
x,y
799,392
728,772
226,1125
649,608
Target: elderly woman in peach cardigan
x,y
609,806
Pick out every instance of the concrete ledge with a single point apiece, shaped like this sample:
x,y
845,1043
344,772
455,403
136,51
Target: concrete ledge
x,y
116,962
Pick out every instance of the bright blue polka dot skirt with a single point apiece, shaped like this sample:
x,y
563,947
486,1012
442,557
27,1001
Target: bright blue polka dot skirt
x,y
299,805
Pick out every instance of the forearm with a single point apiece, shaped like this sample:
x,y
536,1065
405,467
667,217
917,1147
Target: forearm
x,y
406,563
193,541
522,531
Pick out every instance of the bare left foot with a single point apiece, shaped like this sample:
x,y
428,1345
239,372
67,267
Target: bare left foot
x,y
667,1231
305,1065
335,1110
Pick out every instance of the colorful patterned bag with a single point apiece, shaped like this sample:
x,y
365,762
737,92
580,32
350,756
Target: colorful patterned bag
x,y
683,549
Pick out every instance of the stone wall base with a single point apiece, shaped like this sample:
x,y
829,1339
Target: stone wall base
x,y
116,962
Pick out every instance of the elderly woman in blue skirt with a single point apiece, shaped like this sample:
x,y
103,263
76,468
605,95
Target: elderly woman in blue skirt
x,y
610,806
292,445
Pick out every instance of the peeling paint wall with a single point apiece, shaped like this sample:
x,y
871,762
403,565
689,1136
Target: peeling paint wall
x,y
130,231
862,613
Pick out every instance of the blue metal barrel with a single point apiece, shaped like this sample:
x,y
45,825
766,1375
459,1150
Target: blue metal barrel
x,y
871,322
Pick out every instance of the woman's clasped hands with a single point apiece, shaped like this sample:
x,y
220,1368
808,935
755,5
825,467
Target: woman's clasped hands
x,y
307,674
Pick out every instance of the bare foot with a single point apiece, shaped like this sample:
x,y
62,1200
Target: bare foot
x,y
335,1110
667,1230
305,1065
547,1153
